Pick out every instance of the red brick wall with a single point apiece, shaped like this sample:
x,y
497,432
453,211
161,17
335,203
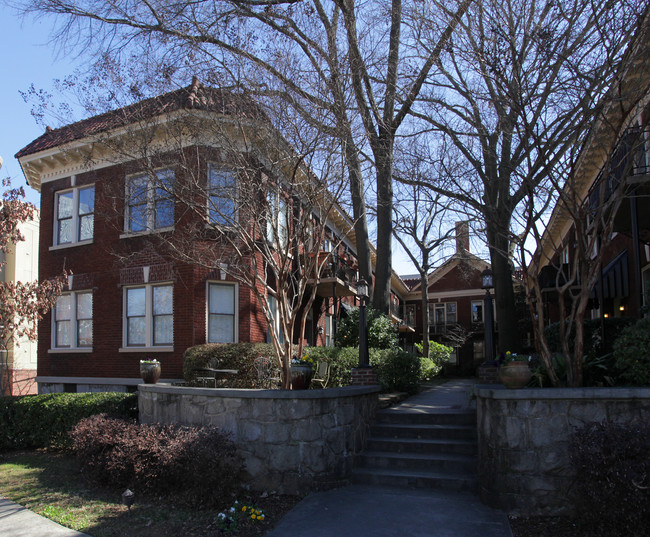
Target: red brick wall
x,y
108,264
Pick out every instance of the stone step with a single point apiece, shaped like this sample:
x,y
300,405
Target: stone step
x,y
426,431
447,463
442,417
415,479
420,445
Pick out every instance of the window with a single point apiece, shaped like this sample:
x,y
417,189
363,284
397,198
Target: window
x,y
277,223
222,313
409,314
222,196
75,215
150,202
73,321
149,316
477,311
329,330
442,313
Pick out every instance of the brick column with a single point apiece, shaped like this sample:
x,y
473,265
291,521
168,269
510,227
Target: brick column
x,y
364,376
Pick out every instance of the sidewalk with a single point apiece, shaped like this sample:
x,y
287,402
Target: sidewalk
x,y
16,521
363,510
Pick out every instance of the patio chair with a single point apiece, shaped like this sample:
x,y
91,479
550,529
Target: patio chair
x,y
321,375
268,375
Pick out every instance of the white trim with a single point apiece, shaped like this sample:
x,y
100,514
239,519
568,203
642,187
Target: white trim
x,y
146,349
94,380
478,293
71,244
146,232
70,350
74,231
207,308
148,316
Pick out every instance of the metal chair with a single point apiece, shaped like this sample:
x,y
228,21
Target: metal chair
x,y
268,375
321,375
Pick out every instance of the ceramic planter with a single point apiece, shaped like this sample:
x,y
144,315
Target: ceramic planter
x,y
515,374
301,375
150,372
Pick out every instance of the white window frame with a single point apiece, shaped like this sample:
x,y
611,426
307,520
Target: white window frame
x,y
278,219
74,320
329,330
273,306
481,303
75,218
209,283
433,306
149,345
150,204
211,192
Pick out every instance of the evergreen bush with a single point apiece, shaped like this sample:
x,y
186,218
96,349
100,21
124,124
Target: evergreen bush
x,y
632,353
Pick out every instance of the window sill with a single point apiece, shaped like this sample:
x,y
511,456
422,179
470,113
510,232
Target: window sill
x,y
70,245
146,349
70,350
128,235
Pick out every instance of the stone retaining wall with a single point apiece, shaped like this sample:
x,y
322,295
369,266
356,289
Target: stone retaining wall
x,y
524,438
292,441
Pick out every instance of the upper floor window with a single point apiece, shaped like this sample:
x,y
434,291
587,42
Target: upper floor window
x,y
150,201
149,316
222,196
73,321
222,313
477,311
75,215
277,221
442,313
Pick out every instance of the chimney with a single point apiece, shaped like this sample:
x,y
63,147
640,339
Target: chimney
x,y
462,237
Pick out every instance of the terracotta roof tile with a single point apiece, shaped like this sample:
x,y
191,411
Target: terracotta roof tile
x,y
193,97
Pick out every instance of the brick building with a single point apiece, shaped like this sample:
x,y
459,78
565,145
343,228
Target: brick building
x,y
115,223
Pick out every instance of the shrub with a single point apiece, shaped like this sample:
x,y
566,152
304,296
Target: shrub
x,y
341,361
198,466
593,340
44,421
613,478
632,353
238,356
382,332
432,365
397,370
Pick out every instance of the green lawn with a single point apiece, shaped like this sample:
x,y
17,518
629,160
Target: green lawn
x,y
51,485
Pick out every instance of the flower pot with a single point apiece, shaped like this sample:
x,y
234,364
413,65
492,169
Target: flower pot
x,y
301,375
515,374
150,373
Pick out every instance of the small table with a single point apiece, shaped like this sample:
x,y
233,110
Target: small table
x,y
207,375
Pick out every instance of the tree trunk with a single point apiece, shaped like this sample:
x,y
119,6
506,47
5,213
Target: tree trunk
x,y
383,268
424,283
504,296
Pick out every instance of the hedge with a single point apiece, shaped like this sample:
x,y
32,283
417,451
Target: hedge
x,y
44,421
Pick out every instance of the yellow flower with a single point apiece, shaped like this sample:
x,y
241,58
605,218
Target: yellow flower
x,y
243,508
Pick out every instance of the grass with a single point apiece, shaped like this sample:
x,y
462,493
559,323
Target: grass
x,y
51,485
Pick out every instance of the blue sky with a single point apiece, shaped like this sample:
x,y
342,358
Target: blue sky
x,y
25,58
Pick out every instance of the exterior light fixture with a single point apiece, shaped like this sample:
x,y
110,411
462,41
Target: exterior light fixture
x,y
487,279
488,283
362,290
362,295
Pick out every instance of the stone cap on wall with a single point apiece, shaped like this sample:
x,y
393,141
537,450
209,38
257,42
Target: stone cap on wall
x,y
242,393
501,392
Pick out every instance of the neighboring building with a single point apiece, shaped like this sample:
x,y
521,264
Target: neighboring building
x,y
20,356
100,217
456,302
616,153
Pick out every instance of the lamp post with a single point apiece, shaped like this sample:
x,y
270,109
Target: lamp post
x,y
488,283
362,295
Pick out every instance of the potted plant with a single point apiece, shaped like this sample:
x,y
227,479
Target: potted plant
x,y
514,371
301,372
150,371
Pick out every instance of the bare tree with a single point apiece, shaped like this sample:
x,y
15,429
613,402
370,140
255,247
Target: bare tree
x,y
517,90
22,304
419,222
348,68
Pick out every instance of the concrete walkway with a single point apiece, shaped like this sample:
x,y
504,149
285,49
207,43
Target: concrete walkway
x,y
16,521
364,510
